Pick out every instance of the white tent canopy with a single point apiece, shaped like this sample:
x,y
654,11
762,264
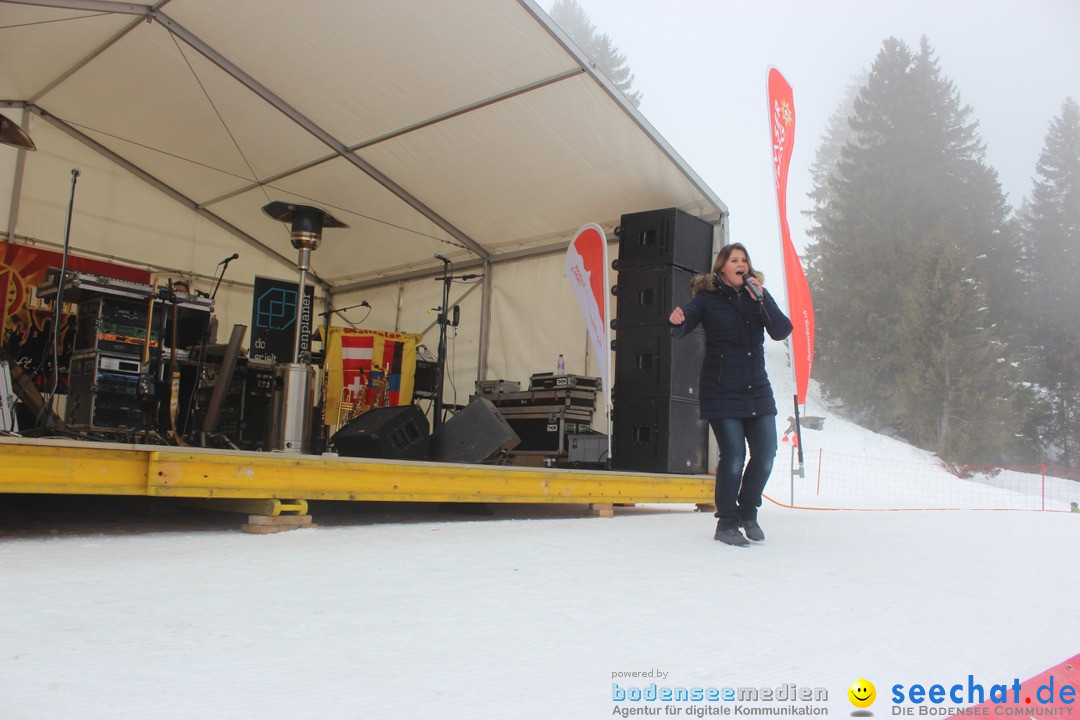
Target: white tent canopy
x,y
475,129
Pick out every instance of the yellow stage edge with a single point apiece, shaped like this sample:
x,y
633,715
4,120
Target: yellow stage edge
x,y
59,466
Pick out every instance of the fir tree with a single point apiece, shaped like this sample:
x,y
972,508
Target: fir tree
x,y
823,172
1050,222
911,184
599,48
951,388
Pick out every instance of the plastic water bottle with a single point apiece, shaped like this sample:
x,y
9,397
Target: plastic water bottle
x,y
560,366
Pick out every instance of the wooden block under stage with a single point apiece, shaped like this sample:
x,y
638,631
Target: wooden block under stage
x,y
263,524
605,510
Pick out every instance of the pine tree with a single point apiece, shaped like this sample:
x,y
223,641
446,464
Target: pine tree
x,y
823,172
951,388
599,48
1050,222
910,196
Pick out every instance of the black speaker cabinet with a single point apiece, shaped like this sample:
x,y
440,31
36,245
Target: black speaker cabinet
x,y
394,433
473,434
650,363
646,296
425,379
657,435
665,237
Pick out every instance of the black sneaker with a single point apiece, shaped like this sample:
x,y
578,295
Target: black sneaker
x,y
730,536
753,530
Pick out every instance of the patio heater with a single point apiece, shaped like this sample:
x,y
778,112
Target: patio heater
x,y
12,134
294,381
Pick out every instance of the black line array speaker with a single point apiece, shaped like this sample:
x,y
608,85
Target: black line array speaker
x,y
659,435
646,296
665,237
649,362
392,433
473,434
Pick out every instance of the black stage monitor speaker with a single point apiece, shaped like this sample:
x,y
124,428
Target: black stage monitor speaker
x,y
393,433
473,434
655,435
665,237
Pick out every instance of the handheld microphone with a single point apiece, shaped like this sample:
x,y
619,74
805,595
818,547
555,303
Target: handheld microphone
x,y
229,259
439,256
753,289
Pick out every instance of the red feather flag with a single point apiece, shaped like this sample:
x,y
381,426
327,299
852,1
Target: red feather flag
x,y
800,306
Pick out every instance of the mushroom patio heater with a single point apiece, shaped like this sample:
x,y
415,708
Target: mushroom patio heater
x,y
294,381
12,134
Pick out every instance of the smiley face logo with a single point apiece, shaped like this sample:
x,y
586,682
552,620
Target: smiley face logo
x,y
862,693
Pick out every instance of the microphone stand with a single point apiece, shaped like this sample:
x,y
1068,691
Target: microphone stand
x,y
58,316
202,346
338,311
440,360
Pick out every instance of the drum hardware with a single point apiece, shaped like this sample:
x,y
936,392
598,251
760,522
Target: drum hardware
x,y
221,386
224,265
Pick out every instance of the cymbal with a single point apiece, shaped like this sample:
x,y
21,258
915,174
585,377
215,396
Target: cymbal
x,y
12,134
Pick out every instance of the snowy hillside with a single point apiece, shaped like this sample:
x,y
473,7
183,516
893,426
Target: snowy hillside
x,y
849,466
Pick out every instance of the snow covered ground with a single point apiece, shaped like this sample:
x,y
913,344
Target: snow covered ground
x,y
537,613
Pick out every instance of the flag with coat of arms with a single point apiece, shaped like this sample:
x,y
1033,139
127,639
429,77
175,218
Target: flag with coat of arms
x,y
357,361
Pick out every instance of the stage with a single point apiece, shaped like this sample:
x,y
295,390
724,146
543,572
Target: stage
x,y
273,484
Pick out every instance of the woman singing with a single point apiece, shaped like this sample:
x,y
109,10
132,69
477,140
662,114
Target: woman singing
x,y
735,395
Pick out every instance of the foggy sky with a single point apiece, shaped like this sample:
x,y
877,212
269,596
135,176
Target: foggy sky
x,y
701,67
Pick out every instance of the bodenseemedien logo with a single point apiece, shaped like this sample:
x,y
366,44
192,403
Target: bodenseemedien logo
x,y
699,701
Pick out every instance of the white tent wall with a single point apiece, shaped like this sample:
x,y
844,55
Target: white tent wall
x,y
534,318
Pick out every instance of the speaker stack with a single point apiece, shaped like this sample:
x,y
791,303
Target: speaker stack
x,y
655,405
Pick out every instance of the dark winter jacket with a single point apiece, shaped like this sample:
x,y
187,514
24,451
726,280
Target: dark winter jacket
x,y
733,380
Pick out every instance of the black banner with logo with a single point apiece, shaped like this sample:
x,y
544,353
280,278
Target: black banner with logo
x,y
273,320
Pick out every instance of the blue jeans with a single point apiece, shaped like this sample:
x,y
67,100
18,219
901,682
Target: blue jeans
x,y
738,490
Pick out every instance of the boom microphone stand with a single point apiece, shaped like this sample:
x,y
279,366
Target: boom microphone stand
x,y
440,359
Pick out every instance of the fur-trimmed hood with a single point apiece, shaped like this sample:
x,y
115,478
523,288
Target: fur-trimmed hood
x,y
708,283
702,282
